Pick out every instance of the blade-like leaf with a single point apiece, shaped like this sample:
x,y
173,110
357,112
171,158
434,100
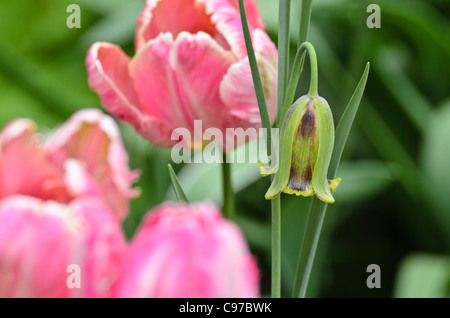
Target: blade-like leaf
x,y
346,122
264,113
179,192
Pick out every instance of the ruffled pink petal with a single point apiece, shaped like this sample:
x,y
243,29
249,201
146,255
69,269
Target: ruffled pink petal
x,y
109,77
173,16
94,140
200,65
188,251
24,168
227,20
237,91
254,17
218,18
178,82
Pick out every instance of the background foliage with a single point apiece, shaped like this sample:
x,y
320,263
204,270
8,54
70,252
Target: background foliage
x,y
393,206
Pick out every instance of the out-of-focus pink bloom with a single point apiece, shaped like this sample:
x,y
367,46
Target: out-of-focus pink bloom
x,y
190,63
89,148
40,239
24,166
84,158
188,251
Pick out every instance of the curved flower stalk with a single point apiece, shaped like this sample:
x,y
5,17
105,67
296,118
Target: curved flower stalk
x,y
184,250
190,64
42,242
84,158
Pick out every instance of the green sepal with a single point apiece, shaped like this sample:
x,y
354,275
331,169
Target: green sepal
x,y
288,132
326,144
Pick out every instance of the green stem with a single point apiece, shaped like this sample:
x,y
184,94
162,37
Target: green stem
x,y
314,72
305,19
283,64
228,196
276,247
296,72
283,55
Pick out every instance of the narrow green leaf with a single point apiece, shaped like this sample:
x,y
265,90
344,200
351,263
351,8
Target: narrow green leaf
x,y
283,55
179,192
346,122
264,113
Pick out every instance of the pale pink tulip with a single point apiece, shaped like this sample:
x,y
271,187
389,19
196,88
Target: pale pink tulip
x,y
90,150
84,158
40,240
24,166
190,64
188,251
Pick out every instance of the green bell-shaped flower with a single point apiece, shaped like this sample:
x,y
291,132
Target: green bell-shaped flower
x,y
306,146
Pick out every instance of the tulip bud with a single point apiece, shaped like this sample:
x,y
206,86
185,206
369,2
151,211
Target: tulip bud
x,y
306,146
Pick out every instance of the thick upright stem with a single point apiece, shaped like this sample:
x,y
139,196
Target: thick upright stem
x,y
228,195
283,65
305,19
276,247
283,55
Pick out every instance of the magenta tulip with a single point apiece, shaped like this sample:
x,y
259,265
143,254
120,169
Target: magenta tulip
x,y
188,251
40,241
190,64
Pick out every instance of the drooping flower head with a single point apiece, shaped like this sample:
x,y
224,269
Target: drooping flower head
x,y
190,64
306,146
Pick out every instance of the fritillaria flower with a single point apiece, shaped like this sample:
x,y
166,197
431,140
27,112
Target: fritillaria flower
x,y
306,146
190,64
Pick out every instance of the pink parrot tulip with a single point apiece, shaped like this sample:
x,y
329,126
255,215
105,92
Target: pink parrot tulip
x,y
188,251
41,240
190,64
85,157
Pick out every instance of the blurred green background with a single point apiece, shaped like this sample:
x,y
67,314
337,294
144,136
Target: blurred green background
x,y
393,206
